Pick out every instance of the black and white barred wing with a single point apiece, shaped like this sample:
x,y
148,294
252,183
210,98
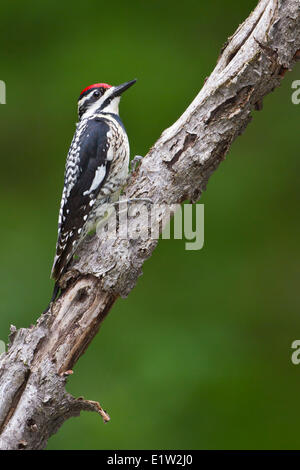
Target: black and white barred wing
x,y
87,168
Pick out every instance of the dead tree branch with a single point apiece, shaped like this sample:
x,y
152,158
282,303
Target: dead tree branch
x,y
33,373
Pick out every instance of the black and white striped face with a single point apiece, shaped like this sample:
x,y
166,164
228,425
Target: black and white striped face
x,y
101,97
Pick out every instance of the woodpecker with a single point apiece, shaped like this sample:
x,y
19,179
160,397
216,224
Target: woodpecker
x,y
96,168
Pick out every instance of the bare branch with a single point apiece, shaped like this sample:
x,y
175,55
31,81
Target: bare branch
x,y
33,373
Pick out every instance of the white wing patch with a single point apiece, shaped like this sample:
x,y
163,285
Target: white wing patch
x,y
98,178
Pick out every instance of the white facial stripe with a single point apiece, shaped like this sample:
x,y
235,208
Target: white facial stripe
x,y
110,151
84,99
98,178
113,107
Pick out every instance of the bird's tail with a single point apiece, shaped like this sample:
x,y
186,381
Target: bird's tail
x,y
54,295
61,260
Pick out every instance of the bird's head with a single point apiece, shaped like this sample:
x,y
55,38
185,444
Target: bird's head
x,y
101,97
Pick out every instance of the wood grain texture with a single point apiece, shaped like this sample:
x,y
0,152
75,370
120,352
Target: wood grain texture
x,y
33,372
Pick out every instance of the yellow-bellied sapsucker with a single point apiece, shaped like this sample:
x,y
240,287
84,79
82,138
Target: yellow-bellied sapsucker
x,y
96,168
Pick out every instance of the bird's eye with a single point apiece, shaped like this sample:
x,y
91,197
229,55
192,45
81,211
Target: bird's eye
x,y
96,93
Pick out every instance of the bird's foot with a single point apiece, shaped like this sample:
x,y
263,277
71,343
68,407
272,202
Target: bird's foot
x,y
134,163
132,167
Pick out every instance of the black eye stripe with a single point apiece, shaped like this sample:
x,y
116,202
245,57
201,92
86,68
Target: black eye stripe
x,y
88,93
89,98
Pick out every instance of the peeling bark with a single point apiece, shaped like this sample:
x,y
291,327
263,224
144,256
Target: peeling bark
x,y
33,372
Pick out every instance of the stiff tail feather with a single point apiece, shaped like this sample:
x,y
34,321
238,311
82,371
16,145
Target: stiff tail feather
x,y
54,295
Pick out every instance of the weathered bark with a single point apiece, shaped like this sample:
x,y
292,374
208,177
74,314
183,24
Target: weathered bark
x,y
33,373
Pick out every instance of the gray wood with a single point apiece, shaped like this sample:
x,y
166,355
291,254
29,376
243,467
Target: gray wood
x,y
33,372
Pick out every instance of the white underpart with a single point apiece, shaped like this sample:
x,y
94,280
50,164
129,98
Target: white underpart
x,y
110,150
98,178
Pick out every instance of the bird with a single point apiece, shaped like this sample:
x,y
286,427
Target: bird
x,y
97,168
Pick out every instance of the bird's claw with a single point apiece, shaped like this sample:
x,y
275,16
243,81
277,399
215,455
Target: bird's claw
x,y
134,163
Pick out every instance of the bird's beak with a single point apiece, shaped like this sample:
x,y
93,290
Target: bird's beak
x,y
118,90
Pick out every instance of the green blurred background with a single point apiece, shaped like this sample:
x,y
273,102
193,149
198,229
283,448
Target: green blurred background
x,y
198,356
